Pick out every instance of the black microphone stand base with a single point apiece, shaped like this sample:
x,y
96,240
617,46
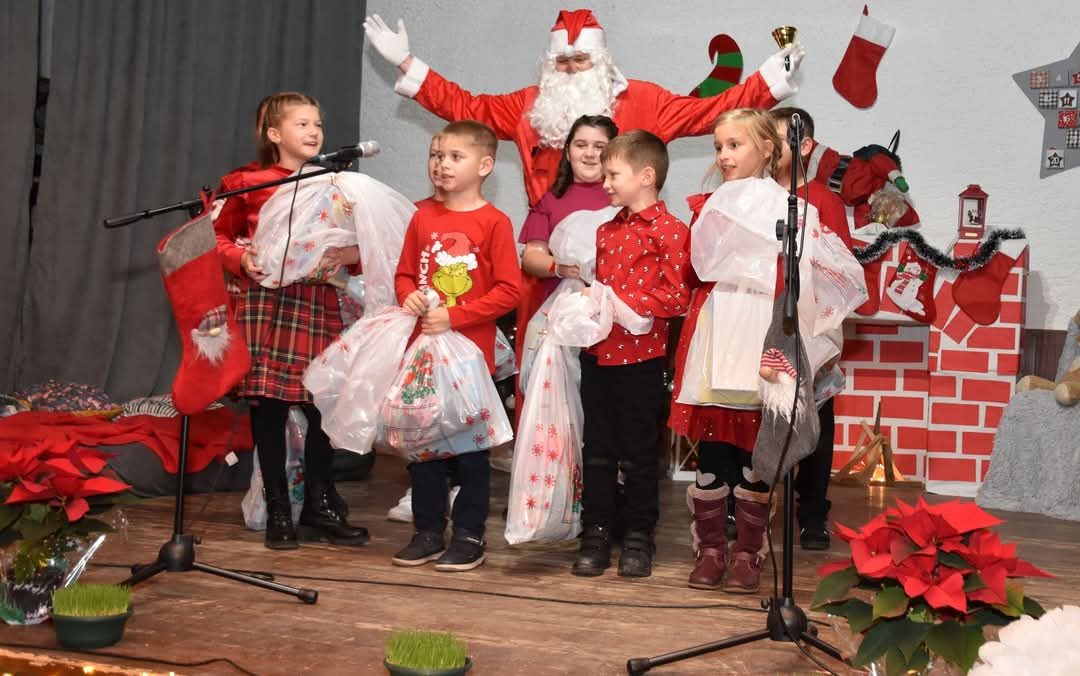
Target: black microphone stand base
x,y
785,619
178,554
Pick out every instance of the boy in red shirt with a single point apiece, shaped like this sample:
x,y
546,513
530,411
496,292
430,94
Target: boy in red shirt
x,y
641,256
462,248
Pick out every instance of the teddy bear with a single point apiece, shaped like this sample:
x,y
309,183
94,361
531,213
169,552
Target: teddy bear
x,y
1067,389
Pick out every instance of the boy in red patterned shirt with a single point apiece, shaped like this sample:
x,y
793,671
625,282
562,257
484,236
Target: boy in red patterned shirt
x,y
641,255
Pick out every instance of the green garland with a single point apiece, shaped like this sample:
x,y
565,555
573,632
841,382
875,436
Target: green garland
x,y
981,257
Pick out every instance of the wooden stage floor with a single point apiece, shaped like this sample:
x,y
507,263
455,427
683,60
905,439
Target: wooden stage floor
x,y
520,613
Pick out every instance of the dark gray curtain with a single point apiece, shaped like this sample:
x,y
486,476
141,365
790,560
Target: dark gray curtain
x,y
150,100
18,82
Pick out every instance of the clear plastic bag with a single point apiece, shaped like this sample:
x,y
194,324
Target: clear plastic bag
x,y
350,378
573,240
253,504
334,210
546,479
443,401
734,239
505,361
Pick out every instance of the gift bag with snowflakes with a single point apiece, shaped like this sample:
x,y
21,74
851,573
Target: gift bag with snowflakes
x,y
545,482
505,362
443,401
349,379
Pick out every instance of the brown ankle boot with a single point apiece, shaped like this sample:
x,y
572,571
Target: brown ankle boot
x,y
748,554
708,530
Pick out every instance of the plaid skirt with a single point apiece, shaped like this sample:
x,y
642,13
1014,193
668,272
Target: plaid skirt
x,y
285,329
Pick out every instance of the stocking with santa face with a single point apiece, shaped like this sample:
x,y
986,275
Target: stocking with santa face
x,y
912,286
215,355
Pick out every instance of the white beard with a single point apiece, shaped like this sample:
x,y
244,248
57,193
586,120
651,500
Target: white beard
x,y
564,97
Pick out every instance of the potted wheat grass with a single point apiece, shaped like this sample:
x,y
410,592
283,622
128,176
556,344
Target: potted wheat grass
x,y
425,653
90,615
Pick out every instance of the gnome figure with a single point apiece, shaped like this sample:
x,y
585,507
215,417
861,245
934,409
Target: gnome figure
x,y
779,385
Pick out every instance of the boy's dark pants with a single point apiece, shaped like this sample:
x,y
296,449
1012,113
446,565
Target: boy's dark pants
x,y
622,407
815,470
429,493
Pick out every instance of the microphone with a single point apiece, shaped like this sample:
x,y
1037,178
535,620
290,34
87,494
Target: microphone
x,y
794,132
348,153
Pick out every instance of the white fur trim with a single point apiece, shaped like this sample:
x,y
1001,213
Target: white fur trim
x,y
211,346
894,174
815,161
409,83
778,79
872,30
589,39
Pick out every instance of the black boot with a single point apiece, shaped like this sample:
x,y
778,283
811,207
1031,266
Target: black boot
x,y
637,554
280,532
594,556
321,521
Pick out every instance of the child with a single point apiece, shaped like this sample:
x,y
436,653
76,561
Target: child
x,y
746,145
471,235
641,255
812,478
402,511
285,329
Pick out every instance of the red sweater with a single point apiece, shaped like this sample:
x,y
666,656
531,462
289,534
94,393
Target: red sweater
x,y
471,259
237,217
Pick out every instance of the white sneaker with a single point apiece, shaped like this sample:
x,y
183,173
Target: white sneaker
x,y
402,511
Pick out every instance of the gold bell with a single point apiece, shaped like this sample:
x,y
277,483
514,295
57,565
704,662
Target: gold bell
x,y
785,35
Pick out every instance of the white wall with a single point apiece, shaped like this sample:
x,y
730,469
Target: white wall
x,y
946,82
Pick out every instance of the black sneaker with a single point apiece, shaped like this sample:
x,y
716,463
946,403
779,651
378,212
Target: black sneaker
x,y
594,553
815,537
425,546
465,553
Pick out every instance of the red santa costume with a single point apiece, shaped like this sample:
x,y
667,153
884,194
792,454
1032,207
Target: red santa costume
x,y
537,118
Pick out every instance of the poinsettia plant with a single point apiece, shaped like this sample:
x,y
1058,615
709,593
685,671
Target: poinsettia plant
x,y
48,493
924,581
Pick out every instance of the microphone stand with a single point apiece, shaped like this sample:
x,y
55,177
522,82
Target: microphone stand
x,y
177,555
785,620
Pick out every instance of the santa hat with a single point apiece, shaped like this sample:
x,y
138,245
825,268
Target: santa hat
x,y
576,31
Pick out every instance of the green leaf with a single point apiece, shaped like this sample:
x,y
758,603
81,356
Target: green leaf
x,y
1033,608
956,643
834,586
9,514
1014,594
920,660
973,582
859,614
890,602
908,636
34,529
921,613
895,662
37,511
988,615
952,560
875,642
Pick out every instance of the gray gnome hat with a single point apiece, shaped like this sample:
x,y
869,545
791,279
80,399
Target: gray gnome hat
x,y
779,351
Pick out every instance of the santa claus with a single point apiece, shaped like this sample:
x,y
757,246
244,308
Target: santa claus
x,y
577,77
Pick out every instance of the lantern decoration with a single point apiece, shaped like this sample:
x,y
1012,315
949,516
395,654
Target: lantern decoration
x,y
972,218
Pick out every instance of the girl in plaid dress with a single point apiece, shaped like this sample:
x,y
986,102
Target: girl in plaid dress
x,y
285,329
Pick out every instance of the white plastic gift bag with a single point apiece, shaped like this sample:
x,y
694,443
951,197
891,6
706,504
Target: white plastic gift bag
x,y
350,378
443,401
334,210
573,240
253,504
505,361
545,481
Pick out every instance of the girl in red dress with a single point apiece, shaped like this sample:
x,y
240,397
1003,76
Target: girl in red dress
x,y
285,329
747,145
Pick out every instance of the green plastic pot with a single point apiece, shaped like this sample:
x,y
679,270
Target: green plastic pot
x,y
398,670
83,633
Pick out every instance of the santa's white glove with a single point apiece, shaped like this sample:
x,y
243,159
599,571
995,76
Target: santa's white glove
x,y
394,47
780,68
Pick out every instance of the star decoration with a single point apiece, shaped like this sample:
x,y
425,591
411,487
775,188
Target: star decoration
x,y
1034,82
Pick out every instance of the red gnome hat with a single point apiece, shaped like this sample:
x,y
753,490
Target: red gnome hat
x,y
576,31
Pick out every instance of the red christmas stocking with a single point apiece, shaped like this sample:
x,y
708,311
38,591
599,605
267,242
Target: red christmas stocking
x,y
872,273
978,292
856,76
215,354
912,286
